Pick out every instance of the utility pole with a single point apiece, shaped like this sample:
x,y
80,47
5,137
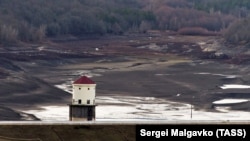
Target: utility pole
x,y
191,107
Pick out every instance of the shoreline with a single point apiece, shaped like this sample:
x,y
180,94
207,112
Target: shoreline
x,y
171,71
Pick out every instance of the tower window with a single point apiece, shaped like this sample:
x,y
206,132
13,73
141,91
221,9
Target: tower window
x,y
79,101
79,88
88,101
88,88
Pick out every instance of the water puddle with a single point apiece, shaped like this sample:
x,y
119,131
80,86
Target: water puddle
x,y
160,74
230,101
234,86
217,74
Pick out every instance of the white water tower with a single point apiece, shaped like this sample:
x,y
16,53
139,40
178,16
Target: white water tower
x,y
83,105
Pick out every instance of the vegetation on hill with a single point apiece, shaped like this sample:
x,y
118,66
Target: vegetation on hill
x,y
238,32
238,8
32,21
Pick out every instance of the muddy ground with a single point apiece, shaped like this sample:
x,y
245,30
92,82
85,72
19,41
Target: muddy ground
x,y
189,69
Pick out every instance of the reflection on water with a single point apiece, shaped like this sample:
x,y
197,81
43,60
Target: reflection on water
x,y
126,108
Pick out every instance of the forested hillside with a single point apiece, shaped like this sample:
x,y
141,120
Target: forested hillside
x,y
34,20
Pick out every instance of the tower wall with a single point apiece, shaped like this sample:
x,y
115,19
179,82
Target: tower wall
x,y
83,94
81,112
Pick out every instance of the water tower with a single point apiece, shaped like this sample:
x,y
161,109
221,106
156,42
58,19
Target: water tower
x,y
83,105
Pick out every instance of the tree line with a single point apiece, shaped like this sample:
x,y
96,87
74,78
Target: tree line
x,y
32,21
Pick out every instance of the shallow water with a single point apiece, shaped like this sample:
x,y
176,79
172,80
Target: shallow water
x,y
128,108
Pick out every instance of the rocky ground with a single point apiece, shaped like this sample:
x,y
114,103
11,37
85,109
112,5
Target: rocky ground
x,y
158,65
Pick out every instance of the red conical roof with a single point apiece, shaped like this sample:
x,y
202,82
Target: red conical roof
x,y
84,80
